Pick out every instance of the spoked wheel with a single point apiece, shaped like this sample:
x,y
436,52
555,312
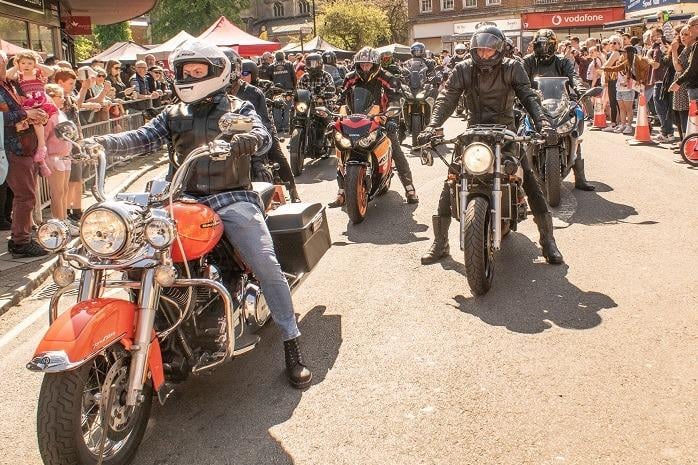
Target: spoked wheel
x,y
297,152
479,254
689,149
356,193
71,404
553,175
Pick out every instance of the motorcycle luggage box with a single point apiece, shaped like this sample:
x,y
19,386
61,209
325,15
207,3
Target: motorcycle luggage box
x,y
301,235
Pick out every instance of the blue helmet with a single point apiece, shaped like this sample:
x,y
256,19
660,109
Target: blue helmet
x,y
418,49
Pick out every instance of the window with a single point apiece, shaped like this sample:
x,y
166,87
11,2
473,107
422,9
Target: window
x,y
304,7
493,2
469,3
278,9
446,5
14,31
425,6
41,38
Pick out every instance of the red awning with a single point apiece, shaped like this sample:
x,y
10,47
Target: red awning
x,y
225,34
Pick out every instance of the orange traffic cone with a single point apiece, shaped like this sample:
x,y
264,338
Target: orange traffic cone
x,y
599,114
642,125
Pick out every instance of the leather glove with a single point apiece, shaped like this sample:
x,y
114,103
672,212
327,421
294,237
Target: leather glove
x,y
426,135
243,144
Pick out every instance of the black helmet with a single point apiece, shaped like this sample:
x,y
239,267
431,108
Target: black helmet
x,y
249,68
509,48
329,58
418,49
234,62
367,55
313,64
279,56
488,37
545,44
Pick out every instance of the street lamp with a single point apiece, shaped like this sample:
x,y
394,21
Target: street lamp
x,y
314,25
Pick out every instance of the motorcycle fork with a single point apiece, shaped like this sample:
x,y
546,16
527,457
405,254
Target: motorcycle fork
x,y
147,307
462,204
90,285
496,202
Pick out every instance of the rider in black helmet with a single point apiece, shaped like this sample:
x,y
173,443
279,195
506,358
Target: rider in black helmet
x,y
318,81
283,75
338,73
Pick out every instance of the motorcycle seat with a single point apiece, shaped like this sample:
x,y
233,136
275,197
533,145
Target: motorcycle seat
x,y
265,191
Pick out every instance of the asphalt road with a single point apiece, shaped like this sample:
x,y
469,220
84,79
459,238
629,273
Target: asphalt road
x,y
592,362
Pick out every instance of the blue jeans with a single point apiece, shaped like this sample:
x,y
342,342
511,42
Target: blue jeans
x,y
282,116
663,108
247,231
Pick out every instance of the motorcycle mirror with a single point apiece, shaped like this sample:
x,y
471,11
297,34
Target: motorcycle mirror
x,y
426,157
67,130
232,123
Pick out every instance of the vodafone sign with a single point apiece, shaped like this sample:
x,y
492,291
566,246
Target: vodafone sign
x,y
570,19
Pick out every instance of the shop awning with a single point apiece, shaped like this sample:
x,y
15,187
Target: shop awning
x,y
162,51
630,22
109,11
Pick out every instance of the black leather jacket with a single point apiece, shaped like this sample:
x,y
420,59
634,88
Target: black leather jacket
x,y
559,66
489,95
383,87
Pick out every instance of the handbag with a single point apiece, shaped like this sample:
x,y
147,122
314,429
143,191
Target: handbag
x,y
4,164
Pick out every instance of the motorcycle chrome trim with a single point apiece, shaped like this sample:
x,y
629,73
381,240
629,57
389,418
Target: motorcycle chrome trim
x,y
132,218
497,199
145,255
54,362
463,201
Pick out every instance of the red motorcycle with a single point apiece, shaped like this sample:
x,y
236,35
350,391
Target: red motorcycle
x,y
192,305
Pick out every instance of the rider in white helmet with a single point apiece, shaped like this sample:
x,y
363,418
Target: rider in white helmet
x,y
202,74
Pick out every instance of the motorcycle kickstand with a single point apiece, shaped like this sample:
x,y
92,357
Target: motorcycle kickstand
x,y
105,423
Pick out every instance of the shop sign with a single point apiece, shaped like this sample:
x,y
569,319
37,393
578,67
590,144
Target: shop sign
x,y
78,25
33,5
571,19
640,5
510,24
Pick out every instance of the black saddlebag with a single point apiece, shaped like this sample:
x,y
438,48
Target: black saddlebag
x,y
301,235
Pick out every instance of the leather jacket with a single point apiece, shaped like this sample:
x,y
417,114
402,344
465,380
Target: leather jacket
x,y
559,66
383,87
489,95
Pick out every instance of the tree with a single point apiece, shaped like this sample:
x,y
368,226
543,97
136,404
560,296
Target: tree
x,y
396,11
343,23
85,48
171,16
110,34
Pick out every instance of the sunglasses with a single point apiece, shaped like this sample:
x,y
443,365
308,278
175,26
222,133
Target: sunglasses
x,y
102,75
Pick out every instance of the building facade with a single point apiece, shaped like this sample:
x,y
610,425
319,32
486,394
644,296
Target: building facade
x,y
279,20
440,24
32,24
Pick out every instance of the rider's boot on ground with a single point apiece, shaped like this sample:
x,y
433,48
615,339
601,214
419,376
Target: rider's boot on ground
x,y
339,201
580,180
547,241
439,249
411,194
298,374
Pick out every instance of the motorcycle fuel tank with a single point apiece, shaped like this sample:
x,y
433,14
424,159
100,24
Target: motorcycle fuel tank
x,y
199,228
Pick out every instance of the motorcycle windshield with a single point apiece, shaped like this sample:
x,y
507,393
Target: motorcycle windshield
x,y
417,79
553,91
361,101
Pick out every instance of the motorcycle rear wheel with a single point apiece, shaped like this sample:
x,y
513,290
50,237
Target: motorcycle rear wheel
x,y
553,176
68,417
356,193
689,149
478,252
297,152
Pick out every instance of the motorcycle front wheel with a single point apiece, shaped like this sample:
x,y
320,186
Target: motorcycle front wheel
x,y
356,193
297,152
553,176
689,149
478,251
416,129
69,417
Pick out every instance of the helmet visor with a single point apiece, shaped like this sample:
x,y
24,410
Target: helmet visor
x,y
191,71
486,40
314,62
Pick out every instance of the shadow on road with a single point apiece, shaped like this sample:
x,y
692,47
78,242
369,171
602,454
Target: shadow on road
x,y
318,170
592,209
530,296
226,418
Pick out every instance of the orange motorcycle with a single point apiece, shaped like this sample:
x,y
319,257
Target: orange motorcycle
x,y
191,304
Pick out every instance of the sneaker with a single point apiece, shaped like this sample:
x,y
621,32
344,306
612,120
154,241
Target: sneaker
x,y
620,128
609,129
662,139
30,249
628,130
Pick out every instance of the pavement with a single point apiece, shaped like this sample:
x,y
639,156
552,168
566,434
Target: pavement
x,y
20,276
589,363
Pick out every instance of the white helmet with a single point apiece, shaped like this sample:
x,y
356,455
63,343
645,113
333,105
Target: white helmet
x,y
192,88
460,49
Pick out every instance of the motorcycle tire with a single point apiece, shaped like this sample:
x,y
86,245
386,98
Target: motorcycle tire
x,y
297,152
478,252
416,129
689,149
62,400
356,193
553,176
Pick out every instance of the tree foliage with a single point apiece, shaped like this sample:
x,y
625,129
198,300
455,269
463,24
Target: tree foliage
x,y
110,34
353,25
85,48
396,11
171,16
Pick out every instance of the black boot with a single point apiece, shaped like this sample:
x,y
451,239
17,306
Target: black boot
x,y
439,249
580,180
293,193
298,373
547,241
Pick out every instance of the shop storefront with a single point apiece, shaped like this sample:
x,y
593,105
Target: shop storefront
x,y
32,24
446,34
580,23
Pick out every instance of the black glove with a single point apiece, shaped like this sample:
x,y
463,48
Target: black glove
x,y
243,144
426,135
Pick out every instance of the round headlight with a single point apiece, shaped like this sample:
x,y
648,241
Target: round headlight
x,y
103,232
478,159
53,235
345,143
366,141
301,107
160,233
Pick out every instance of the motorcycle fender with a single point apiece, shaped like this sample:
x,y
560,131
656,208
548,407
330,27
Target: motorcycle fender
x,y
382,152
85,330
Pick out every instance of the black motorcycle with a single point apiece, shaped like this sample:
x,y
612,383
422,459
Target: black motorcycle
x,y
308,134
419,93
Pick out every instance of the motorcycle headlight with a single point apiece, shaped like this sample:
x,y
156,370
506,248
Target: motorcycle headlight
x,y
342,141
53,235
567,126
368,140
103,232
160,233
301,107
420,95
478,159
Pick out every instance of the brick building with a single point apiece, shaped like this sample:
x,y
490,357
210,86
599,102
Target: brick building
x,y
443,23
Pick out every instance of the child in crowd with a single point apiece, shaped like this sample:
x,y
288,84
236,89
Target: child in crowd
x,y
58,158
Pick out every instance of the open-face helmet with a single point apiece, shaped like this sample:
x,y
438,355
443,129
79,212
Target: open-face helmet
x,y
249,68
